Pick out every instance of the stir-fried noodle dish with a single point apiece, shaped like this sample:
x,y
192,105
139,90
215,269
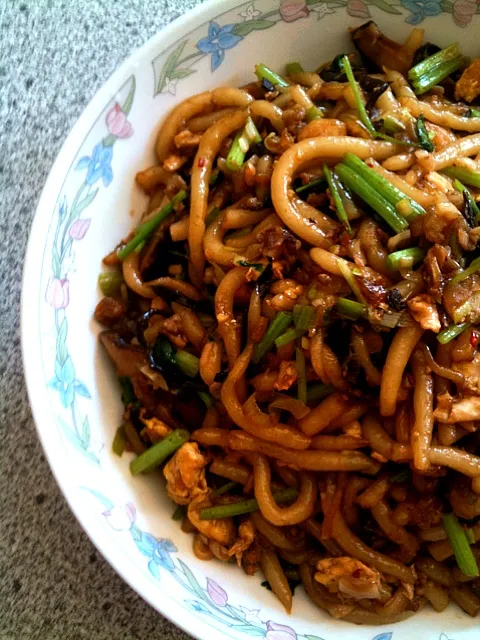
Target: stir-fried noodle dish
x,y
293,324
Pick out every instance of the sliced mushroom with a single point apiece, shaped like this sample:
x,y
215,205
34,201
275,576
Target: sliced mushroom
x,y
379,49
127,358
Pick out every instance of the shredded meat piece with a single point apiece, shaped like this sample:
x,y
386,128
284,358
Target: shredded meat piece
x,y
373,289
286,376
424,512
465,503
186,140
155,429
174,162
348,576
246,536
424,311
294,118
434,262
468,86
251,558
109,311
463,409
173,329
323,127
185,474
221,530
279,244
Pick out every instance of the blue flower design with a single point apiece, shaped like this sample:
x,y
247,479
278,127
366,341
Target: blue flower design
x,y
218,40
158,550
66,384
421,9
98,165
64,381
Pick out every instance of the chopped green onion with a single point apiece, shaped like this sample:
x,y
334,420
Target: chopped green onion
x,y
310,185
372,197
245,506
110,282
333,185
187,362
347,273
145,230
214,177
405,259
212,216
473,113
139,247
302,375
462,550
387,190
434,69
133,439
466,176
384,136
364,117
313,113
257,266
128,395
153,457
350,309
287,337
225,489
452,332
422,134
392,124
317,391
469,201
261,71
466,273
179,513
118,444
207,398
278,325
303,316
470,536
293,67
241,144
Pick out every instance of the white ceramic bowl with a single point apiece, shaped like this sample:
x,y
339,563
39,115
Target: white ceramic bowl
x,y
83,212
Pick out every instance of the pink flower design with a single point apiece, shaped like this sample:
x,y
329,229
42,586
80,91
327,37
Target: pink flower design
x,y
217,594
57,293
292,10
357,9
463,10
121,517
79,228
117,122
277,631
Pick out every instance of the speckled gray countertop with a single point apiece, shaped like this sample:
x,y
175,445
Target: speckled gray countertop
x,y
54,56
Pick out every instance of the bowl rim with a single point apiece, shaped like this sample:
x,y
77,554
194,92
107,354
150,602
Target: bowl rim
x,y
29,330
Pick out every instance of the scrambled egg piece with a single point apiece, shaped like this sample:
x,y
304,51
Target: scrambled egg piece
x,y
348,576
468,87
185,474
221,530
246,536
155,429
286,376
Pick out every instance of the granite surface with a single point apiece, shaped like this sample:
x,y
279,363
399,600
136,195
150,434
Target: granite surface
x,y
54,56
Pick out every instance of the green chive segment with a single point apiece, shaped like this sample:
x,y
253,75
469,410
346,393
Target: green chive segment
x,y
245,506
405,259
461,548
145,230
466,176
302,375
434,69
241,144
303,316
350,309
364,117
334,186
422,134
277,327
451,332
152,458
263,72
473,267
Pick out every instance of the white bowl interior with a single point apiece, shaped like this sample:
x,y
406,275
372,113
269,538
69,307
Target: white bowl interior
x,y
209,600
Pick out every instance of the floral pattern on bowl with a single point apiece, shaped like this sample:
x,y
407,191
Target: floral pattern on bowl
x,y
70,226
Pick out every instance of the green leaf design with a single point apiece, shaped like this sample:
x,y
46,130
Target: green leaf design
x,y
83,204
86,432
56,266
109,140
251,630
181,73
127,105
192,580
313,637
244,28
384,6
135,533
61,350
170,65
448,6
91,456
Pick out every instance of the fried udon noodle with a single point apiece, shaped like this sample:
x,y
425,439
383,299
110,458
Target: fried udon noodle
x,y
293,323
